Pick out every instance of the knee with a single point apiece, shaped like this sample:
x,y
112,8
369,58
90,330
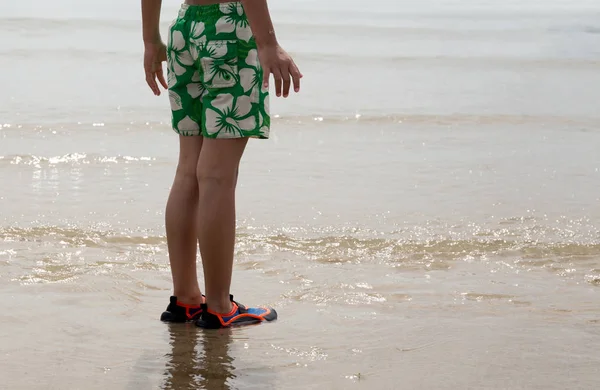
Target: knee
x,y
185,178
216,176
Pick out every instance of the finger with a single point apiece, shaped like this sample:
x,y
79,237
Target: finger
x,y
161,78
295,67
286,82
157,74
151,80
277,78
149,70
296,76
266,74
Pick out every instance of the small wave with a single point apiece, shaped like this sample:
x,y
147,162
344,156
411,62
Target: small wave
x,y
591,29
442,119
72,159
445,61
374,58
48,23
325,118
527,247
69,54
385,22
577,29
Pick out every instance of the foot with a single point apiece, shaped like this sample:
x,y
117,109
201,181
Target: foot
x,y
238,316
180,312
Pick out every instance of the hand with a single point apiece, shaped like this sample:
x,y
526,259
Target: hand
x,y
154,55
274,59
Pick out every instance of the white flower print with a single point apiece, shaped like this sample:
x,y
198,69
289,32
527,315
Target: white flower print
x,y
230,117
234,19
171,79
252,58
264,129
261,120
218,73
187,124
217,49
197,33
266,104
175,101
249,76
197,38
195,90
182,56
248,79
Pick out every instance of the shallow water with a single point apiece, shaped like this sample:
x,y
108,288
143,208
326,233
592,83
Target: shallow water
x,y
416,217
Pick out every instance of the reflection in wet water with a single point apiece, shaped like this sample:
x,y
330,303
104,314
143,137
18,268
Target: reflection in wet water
x,y
198,359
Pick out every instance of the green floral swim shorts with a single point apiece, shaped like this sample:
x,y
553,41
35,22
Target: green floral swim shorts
x,y
214,75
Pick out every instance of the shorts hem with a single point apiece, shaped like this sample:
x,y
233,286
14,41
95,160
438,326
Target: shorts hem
x,y
219,136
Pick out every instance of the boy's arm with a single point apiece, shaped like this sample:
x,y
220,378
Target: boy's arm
x,y
259,17
155,51
272,57
151,20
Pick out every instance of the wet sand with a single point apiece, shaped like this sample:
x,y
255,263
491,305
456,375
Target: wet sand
x,y
430,220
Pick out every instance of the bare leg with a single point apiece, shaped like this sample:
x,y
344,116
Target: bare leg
x,y
180,220
217,177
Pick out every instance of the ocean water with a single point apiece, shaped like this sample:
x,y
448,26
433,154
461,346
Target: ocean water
x,y
425,215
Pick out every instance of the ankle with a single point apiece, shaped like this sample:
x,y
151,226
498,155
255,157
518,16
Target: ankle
x,y
190,299
219,306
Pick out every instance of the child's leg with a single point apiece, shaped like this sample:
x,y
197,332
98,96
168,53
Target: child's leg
x,y
217,176
180,220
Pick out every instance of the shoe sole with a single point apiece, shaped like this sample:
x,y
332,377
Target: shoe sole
x,y
168,317
272,316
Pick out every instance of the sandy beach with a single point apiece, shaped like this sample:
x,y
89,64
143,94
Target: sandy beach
x,y
425,215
